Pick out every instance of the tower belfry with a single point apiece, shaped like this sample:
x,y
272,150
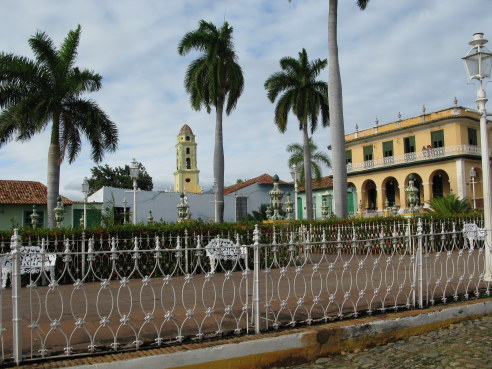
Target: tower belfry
x,y
186,175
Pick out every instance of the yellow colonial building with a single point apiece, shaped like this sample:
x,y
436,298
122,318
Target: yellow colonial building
x,y
186,174
439,149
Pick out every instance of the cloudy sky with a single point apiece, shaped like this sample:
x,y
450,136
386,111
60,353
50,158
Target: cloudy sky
x,y
395,57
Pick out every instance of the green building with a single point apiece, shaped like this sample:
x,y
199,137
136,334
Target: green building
x,y
17,199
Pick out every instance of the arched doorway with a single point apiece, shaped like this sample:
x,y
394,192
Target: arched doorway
x,y
369,201
440,183
392,192
417,182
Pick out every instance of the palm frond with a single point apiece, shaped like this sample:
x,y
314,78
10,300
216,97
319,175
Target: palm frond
x,y
68,50
362,4
45,51
449,204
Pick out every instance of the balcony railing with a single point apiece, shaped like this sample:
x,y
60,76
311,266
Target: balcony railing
x,y
427,154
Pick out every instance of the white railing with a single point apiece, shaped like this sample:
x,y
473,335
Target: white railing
x,y
427,154
111,294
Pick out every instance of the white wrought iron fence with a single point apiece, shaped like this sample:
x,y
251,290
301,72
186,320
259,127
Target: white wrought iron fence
x,y
111,294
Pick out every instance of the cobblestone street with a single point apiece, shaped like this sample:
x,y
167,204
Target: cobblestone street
x,y
462,345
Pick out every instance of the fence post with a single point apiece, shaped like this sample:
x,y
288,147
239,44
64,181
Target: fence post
x,y
256,278
419,263
408,235
15,246
83,256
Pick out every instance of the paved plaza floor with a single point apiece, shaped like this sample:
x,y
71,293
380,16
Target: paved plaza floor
x,y
465,345
93,315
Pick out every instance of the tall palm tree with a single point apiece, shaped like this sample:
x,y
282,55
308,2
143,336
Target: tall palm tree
x,y
306,97
318,159
213,79
336,112
48,89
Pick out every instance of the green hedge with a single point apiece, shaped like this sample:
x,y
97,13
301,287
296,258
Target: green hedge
x,y
214,229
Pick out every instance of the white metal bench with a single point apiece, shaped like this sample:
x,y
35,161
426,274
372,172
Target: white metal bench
x,y
31,262
224,249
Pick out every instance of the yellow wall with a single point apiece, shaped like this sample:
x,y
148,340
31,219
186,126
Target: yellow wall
x,y
455,171
184,177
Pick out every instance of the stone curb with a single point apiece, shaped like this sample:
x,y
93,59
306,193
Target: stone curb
x,y
289,347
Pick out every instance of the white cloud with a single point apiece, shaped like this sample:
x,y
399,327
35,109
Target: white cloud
x,y
395,57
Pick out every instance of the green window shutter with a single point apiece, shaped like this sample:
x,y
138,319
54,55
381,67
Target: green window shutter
x,y
437,138
348,156
472,137
93,217
368,153
387,148
350,202
409,144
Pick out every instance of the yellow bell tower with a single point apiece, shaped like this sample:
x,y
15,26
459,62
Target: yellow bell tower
x,y
186,175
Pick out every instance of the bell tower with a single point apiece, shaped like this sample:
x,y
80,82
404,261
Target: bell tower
x,y
186,175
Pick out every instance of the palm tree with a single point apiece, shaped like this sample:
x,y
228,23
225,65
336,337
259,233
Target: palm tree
x,y
318,159
49,89
213,79
449,204
306,97
336,112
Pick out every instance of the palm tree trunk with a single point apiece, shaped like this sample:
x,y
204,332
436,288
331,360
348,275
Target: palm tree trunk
x,y
308,183
219,158
53,172
336,116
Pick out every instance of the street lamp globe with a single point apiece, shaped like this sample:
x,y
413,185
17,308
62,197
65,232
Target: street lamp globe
x,y
293,172
478,61
134,171
85,186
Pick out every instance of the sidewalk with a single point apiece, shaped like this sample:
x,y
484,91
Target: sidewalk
x,y
465,345
295,346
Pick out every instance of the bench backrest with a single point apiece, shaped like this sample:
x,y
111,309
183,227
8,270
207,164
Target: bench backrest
x,y
31,260
224,249
472,232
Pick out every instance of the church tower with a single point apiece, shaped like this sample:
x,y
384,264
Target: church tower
x,y
186,175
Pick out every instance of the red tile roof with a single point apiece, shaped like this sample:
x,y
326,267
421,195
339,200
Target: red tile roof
x,y
25,192
325,183
263,179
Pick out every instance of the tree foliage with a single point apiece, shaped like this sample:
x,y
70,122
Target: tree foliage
x,y
449,204
318,160
50,89
213,79
304,95
118,177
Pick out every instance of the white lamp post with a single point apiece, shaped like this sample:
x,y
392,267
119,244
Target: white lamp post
x,y
478,65
473,175
134,173
124,210
85,191
293,173
215,189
